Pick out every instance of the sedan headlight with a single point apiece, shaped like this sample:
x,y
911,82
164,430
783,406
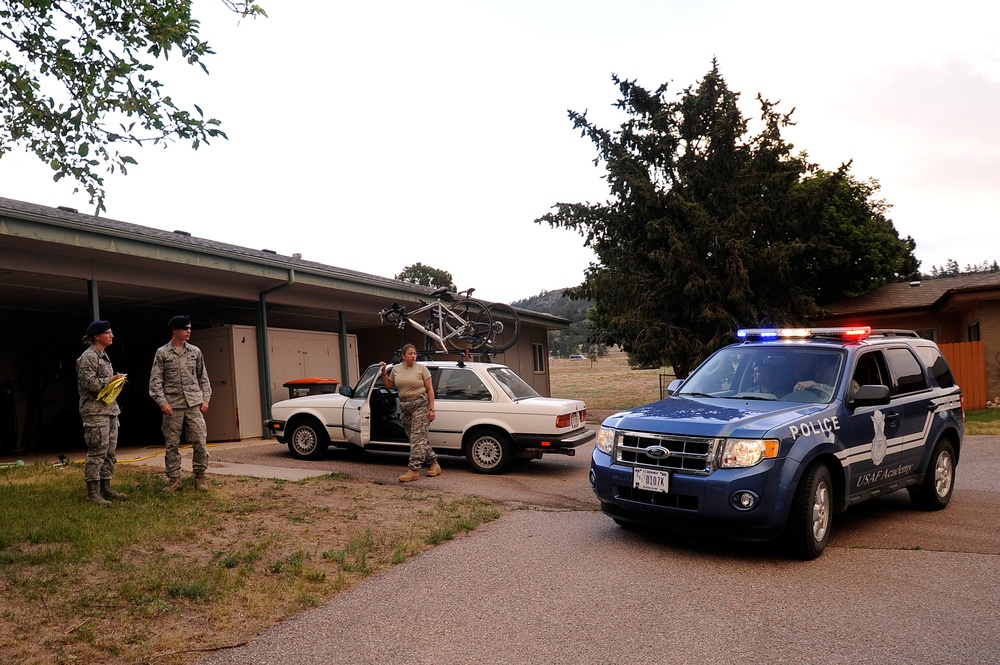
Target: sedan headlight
x,y
741,453
605,440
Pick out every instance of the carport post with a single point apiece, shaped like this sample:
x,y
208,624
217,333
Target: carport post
x,y
264,362
345,365
263,357
93,300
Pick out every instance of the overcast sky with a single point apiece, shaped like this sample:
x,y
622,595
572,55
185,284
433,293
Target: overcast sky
x,y
374,135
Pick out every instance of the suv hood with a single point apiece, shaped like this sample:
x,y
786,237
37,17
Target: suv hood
x,y
712,417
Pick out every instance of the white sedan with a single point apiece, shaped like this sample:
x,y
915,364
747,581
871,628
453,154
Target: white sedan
x,y
484,411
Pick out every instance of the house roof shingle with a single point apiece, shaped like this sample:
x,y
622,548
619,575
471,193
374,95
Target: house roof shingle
x,y
926,294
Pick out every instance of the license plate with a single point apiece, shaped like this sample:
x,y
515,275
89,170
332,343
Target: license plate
x,y
653,480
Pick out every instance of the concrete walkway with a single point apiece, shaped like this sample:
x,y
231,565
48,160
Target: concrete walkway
x,y
153,456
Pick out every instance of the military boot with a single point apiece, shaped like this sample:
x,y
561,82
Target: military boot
x,y
174,485
434,470
409,476
200,482
109,493
94,493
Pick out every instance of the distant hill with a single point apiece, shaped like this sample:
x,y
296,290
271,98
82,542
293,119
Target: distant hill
x,y
573,339
556,304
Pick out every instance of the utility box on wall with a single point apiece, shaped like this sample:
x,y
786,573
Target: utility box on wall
x,y
300,354
232,362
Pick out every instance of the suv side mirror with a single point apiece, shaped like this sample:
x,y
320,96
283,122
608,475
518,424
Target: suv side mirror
x,y
346,391
871,395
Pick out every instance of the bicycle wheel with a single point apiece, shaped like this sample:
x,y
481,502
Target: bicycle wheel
x,y
506,327
468,325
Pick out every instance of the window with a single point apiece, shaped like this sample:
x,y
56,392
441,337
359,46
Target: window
x,y
458,383
938,365
909,374
974,332
511,383
539,355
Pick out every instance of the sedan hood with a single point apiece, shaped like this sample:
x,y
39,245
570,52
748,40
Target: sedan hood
x,y
312,401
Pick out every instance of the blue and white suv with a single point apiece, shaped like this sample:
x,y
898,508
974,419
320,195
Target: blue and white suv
x,y
772,436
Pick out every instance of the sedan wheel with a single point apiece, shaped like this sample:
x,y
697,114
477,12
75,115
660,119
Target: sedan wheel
x,y
307,441
489,451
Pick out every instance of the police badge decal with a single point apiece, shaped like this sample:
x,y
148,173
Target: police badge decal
x,y
879,443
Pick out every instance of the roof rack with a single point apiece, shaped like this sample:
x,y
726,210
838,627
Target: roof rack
x,y
894,332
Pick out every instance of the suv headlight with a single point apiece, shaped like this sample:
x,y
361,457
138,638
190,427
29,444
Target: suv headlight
x,y
605,440
741,453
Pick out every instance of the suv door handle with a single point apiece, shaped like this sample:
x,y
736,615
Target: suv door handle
x,y
892,417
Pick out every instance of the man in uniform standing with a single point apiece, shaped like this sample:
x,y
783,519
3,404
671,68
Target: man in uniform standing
x,y
179,385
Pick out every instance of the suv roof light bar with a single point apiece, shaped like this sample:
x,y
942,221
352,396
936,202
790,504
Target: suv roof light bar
x,y
847,334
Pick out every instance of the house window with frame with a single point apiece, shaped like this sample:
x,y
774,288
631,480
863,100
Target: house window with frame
x,y
538,353
974,332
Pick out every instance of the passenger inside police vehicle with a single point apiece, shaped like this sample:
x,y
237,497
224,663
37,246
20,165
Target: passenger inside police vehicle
x,y
824,377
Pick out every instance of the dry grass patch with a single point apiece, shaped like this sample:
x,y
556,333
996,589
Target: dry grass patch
x,y
164,578
607,384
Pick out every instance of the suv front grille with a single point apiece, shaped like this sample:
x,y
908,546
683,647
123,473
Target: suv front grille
x,y
688,454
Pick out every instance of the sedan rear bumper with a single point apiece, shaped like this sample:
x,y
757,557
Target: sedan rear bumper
x,y
545,442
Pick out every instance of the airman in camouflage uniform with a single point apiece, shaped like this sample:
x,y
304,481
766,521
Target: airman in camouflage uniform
x,y
180,387
415,387
100,420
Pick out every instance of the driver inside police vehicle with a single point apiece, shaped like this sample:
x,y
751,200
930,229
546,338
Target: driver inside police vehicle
x,y
824,375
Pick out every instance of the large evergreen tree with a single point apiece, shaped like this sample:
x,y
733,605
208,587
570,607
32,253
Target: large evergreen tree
x,y
709,228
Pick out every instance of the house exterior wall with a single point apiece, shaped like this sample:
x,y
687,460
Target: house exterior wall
x,y
950,327
989,332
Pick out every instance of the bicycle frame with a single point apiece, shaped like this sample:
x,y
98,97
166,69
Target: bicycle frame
x,y
444,324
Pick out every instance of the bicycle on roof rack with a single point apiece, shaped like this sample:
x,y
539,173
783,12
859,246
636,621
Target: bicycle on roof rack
x,y
451,325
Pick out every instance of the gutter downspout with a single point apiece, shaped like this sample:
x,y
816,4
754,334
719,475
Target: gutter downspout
x,y
263,357
345,363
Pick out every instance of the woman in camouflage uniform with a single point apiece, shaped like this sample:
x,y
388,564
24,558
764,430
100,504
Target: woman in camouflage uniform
x,y
416,400
100,419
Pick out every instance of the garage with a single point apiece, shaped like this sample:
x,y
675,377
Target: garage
x,y
61,269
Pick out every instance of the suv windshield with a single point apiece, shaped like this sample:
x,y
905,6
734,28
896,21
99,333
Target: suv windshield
x,y
797,374
512,384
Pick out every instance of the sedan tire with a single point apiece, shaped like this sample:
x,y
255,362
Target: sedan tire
x,y
489,451
307,440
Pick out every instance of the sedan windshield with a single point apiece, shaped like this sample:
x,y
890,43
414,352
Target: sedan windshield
x,y
795,374
511,383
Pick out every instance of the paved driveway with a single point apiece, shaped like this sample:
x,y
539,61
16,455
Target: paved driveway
x,y
560,583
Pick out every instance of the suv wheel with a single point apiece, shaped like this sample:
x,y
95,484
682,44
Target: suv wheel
x,y
935,491
811,517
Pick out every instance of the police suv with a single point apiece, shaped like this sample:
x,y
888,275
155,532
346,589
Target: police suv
x,y
773,435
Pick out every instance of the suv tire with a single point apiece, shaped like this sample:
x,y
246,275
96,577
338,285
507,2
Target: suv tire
x,y
811,516
935,491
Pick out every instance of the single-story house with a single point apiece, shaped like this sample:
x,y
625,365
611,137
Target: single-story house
x,y
960,313
261,319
